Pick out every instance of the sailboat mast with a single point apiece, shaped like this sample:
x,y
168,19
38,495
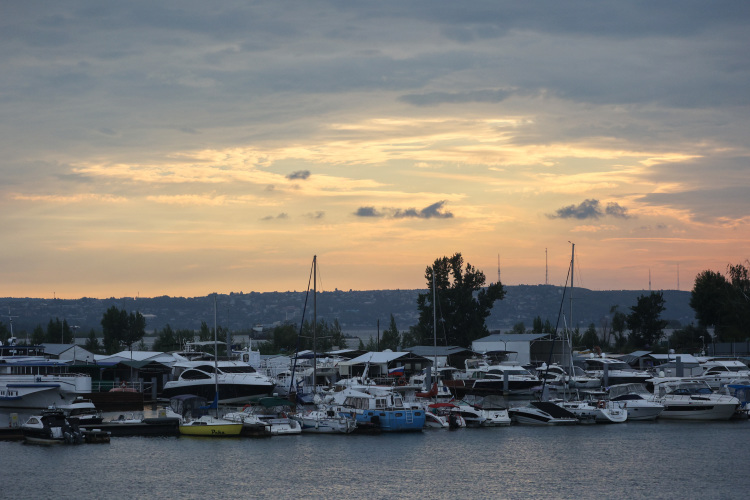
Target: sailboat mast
x,y
434,326
216,360
572,282
315,321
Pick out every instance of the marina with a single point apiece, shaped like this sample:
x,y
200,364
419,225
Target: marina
x,y
630,460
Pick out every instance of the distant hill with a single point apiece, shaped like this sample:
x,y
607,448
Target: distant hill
x,y
355,310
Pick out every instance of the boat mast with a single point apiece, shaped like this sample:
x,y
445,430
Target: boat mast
x,y
216,360
315,322
434,328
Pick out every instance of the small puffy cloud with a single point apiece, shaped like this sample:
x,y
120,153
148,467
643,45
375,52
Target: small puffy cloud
x,y
367,212
617,210
281,216
299,175
431,212
588,209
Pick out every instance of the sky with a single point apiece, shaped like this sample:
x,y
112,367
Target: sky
x,y
188,147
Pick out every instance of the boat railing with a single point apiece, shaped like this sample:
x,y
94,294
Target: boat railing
x,y
108,385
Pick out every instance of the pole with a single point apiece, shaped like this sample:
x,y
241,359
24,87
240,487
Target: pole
x,y
216,361
315,322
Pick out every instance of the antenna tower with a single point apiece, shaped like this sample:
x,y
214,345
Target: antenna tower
x,y
546,268
498,268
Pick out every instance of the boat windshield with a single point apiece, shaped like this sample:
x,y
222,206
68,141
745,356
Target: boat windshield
x,y
690,388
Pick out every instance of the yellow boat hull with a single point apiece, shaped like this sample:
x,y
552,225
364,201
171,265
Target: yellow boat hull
x,y
213,430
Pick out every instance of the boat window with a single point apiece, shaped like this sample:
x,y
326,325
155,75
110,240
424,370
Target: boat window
x,y
237,369
206,368
194,375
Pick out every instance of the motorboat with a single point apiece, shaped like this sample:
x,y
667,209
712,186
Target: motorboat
x,y
270,416
325,419
719,372
640,403
51,427
238,382
83,411
568,377
383,408
692,399
482,378
740,389
448,413
600,412
478,416
542,413
30,381
613,371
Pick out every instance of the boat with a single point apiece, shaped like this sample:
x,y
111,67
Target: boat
x,y
541,413
640,403
599,412
480,412
135,424
238,382
481,378
30,381
210,426
613,371
51,427
270,416
740,389
384,408
692,399
719,372
567,377
449,415
325,419
83,411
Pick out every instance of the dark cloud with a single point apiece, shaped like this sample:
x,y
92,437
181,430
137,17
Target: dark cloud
x,y
281,216
298,175
617,210
430,212
367,212
435,98
588,209
712,205
433,211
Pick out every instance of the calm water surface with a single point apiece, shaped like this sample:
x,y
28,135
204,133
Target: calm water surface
x,y
633,460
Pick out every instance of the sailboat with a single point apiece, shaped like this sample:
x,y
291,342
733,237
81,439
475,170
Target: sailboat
x,y
207,425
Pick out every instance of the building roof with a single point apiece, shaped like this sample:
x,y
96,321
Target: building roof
x,y
429,350
376,358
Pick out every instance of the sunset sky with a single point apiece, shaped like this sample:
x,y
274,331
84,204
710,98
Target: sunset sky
x,y
190,147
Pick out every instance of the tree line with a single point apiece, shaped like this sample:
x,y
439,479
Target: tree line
x,y
453,311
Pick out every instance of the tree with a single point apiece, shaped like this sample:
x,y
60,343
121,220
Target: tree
x,y
590,339
723,302
166,340
463,303
644,321
391,338
284,338
92,343
121,328
688,339
409,337
37,336
336,335
519,328
58,332
619,323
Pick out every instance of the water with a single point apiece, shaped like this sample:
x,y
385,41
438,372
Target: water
x,y
652,460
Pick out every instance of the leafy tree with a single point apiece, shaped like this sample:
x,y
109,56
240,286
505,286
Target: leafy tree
x,y
58,332
284,338
590,339
723,302
538,326
391,338
644,321
519,328
38,335
688,339
92,343
336,335
409,337
619,323
463,303
121,328
166,340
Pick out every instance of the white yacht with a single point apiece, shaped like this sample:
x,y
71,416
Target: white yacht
x,y
271,416
640,403
481,378
616,372
238,382
541,413
28,380
692,399
600,412
565,376
719,372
